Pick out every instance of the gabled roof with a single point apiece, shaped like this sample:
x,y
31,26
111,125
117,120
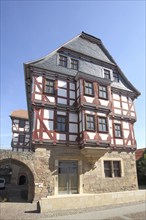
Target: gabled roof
x,y
89,46
23,114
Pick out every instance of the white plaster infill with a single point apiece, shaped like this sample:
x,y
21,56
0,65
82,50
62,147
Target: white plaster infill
x,y
78,201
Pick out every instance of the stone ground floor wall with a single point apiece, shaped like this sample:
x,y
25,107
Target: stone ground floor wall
x,y
42,168
91,179
94,180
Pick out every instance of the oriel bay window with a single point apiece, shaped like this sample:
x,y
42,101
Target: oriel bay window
x,y
103,92
61,123
117,131
88,88
90,122
49,87
112,168
102,124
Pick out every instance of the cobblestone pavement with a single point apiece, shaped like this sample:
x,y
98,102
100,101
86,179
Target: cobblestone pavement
x,y
28,211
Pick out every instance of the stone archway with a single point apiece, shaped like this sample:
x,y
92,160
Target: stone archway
x,y
14,191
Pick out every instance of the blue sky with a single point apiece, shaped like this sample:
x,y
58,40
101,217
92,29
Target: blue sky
x,y
32,29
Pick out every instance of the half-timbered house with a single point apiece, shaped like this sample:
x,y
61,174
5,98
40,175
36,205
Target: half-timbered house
x,y
20,131
82,115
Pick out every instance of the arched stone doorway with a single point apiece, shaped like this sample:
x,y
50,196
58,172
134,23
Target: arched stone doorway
x,y
19,181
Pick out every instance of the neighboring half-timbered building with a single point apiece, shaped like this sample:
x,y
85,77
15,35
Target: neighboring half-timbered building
x,y
20,131
82,115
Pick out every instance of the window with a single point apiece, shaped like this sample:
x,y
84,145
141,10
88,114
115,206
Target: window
x,y
21,123
89,88
116,77
21,138
116,168
49,86
63,61
107,169
106,74
90,124
61,123
112,168
102,124
74,64
118,130
103,92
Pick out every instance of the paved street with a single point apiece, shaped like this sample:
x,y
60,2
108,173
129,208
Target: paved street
x,y
17,211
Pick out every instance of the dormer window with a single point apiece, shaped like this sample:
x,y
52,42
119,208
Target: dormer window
x,y
116,77
74,64
63,61
106,74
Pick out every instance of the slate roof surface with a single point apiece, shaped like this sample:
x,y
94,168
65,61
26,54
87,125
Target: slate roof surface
x,y
20,114
89,46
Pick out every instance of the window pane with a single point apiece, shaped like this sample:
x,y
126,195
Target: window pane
x,y
74,64
49,90
63,61
118,132
49,86
102,124
90,125
106,74
103,92
88,88
116,77
116,167
21,138
61,123
21,123
107,169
